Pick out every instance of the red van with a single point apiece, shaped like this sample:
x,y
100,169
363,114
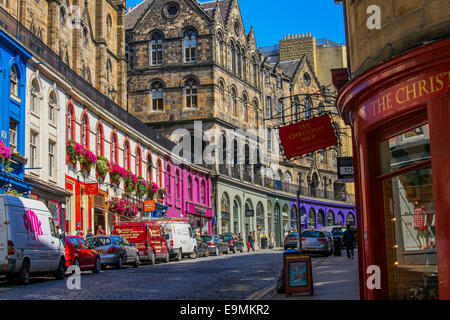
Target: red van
x,y
147,236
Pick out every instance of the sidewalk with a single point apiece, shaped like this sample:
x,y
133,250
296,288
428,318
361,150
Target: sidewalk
x,y
334,278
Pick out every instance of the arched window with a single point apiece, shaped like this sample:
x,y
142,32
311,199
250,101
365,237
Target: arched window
x,y
52,107
138,164
85,36
108,70
85,130
245,108
234,102
233,57
14,88
99,144
159,176
156,48
191,93
244,64
202,193
280,111
190,45
34,101
108,25
296,108
70,123
177,185
126,155
256,106
189,188
221,95
169,182
149,167
239,61
114,148
157,96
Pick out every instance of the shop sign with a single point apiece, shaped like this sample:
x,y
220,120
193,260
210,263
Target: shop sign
x,y
406,94
307,136
345,169
249,213
225,215
298,274
199,210
91,188
149,205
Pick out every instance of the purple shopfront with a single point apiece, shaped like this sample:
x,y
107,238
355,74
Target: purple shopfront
x,y
200,217
188,194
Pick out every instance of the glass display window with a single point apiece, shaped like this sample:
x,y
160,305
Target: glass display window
x,y
409,215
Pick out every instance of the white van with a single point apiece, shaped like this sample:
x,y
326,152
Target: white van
x,y
29,242
180,239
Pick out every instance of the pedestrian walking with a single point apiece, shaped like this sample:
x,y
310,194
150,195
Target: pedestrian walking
x,y
249,241
79,232
252,240
349,241
272,239
89,234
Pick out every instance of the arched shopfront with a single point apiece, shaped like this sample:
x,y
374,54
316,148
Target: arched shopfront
x,y
236,216
248,220
312,218
330,218
286,226
294,225
225,213
277,223
321,222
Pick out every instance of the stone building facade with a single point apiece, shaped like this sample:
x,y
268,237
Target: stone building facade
x,y
190,61
87,35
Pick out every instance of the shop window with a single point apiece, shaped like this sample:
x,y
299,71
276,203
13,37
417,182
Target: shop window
x,y
14,88
409,215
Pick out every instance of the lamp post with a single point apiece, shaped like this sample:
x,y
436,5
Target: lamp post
x,y
299,224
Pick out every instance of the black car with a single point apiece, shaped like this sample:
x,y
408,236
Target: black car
x,y
202,247
233,241
215,245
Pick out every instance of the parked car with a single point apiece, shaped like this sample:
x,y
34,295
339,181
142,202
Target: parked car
x,y
115,250
81,254
215,245
314,240
233,241
29,242
290,241
147,236
202,247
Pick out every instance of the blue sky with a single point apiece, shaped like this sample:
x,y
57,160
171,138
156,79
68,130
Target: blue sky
x,y
273,19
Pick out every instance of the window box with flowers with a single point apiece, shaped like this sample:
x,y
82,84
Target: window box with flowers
x,y
152,190
102,168
141,187
17,157
87,160
122,207
161,193
116,174
130,181
5,157
71,149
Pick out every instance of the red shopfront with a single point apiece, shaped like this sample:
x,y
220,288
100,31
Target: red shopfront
x,y
399,112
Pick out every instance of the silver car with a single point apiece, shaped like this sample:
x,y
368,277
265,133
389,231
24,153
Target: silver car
x,y
115,250
314,240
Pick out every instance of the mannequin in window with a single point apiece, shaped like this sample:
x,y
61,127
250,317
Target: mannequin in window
x,y
420,222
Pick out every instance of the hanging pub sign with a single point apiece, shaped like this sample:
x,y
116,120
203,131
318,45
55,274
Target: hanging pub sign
x,y
345,169
91,189
249,213
307,136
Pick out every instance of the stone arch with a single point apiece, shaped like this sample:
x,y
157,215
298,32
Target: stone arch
x,y
350,218
321,220
340,219
312,218
330,218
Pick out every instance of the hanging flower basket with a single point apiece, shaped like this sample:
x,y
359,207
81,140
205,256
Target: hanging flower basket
x,y
116,174
102,168
71,153
152,190
5,156
88,160
161,193
131,181
122,207
17,157
142,187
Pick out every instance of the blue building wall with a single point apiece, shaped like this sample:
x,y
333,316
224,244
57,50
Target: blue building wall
x,y
12,53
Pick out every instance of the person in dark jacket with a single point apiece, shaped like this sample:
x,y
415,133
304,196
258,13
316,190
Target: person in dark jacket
x,y
349,241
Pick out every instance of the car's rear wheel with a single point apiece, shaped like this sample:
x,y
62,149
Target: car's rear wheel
x,y
194,254
61,270
180,255
119,264
217,251
207,253
136,262
97,266
24,274
167,259
151,258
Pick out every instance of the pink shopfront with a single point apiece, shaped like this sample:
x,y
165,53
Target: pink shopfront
x,y
189,194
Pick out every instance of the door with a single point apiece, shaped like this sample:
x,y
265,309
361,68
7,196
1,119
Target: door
x,y
3,235
87,254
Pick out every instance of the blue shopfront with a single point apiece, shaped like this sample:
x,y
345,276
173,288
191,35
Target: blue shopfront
x,y
13,59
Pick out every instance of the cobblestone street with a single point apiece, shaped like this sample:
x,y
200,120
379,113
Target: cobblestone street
x,y
227,277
